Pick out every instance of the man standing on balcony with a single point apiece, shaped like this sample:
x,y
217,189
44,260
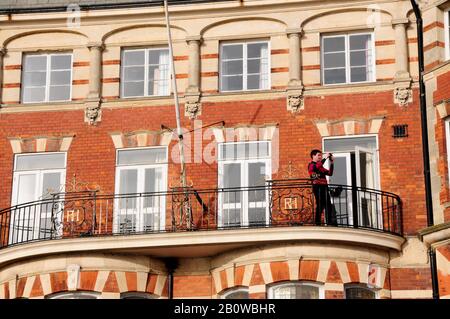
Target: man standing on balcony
x,y
318,175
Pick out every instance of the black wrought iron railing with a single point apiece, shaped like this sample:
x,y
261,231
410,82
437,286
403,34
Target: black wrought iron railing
x,y
278,203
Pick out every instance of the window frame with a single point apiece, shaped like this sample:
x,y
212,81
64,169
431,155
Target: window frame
x,y
447,33
233,290
347,57
245,44
271,288
447,144
146,66
48,72
244,163
61,295
361,286
140,170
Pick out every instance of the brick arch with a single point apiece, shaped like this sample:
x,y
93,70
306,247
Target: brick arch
x,y
42,285
334,274
34,144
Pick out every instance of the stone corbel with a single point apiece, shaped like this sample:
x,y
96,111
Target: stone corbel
x,y
295,100
93,112
403,93
192,105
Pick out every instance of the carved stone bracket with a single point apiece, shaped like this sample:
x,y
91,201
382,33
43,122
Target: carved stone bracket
x,y
403,95
192,105
295,100
93,112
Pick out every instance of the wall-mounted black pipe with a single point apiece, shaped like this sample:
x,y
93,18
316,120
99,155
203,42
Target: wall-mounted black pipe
x,y
171,265
425,147
102,6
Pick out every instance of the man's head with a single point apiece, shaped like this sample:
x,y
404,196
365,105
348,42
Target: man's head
x,y
316,155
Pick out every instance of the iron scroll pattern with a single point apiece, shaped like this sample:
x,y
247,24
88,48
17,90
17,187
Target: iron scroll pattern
x,y
291,202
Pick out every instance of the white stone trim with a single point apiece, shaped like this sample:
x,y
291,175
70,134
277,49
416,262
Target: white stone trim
x,y
102,276
141,139
141,281
349,127
217,281
165,139
443,264
343,270
363,270
324,267
293,269
230,276
248,272
266,272
28,286
41,144
65,144
322,127
256,289
117,140
12,288
243,237
73,277
46,284
16,145
334,286
110,295
121,281
160,281
397,294
375,125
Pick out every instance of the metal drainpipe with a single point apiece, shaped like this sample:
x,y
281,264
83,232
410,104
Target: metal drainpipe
x,y
171,265
425,148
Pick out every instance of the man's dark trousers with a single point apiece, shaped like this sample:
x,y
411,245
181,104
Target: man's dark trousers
x,y
323,201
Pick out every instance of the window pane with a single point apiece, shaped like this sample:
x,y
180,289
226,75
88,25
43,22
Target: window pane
x,y
33,94
254,82
61,62
334,44
230,151
256,50
359,74
133,58
232,51
135,73
232,83
307,292
144,156
334,76
334,60
232,176
60,78
254,66
34,79
358,58
133,88
59,93
359,42
232,67
27,188
359,293
155,56
36,63
240,294
51,184
349,144
40,161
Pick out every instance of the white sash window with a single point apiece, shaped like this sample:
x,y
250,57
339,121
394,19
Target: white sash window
x,y
243,165
36,177
141,179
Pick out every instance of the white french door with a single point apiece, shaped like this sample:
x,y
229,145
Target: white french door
x,y
142,205
367,177
241,206
342,175
34,221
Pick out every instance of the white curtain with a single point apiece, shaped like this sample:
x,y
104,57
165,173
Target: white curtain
x,y
163,83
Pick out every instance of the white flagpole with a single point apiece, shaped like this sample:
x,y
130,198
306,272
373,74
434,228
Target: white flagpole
x,y
175,94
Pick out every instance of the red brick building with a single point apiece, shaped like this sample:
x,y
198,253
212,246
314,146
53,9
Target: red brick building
x,y
93,205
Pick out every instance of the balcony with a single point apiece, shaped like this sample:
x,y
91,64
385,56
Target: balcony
x,y
281,205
